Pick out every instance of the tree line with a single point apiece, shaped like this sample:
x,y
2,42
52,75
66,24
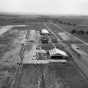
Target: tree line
x,y
65,23
81,32
74,31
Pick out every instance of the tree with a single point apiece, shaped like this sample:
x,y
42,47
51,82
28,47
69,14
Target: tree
x,y
74,24
78,32
82,32
69,23
60,22
87,32
73,31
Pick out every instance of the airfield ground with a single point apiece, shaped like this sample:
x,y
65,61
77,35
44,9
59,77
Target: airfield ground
x,y
13,74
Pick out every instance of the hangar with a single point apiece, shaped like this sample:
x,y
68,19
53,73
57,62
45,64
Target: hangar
x,y
57,54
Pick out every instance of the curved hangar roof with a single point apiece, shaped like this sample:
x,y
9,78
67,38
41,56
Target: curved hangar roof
x,y
57,51
44,31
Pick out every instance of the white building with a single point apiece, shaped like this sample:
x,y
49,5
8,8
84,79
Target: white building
x,y
57,54
44,31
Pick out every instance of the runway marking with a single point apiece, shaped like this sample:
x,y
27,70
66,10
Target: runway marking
x,y
69,33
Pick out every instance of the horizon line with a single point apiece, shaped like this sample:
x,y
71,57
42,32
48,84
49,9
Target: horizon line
x,y
17,13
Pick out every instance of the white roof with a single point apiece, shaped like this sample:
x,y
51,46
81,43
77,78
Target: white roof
x,y
57,51
44,31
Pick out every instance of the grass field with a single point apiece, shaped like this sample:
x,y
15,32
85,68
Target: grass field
x,y
19,19
79,20
55,75
84,47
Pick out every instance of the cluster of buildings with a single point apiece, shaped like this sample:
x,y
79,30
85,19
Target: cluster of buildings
x,y
55,53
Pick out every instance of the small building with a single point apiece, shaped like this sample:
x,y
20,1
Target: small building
x,y
44,39
44,32
57,54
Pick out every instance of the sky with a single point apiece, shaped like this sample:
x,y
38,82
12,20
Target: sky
x,y
51,7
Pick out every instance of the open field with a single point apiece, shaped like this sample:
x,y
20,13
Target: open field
x,y
68,28
52,75
19,19
14,74
10,46
79,20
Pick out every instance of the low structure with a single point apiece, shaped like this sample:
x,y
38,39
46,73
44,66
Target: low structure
x,y
57,54
44,39
44,32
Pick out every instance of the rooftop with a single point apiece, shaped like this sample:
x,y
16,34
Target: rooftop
x,y
45,31
57,51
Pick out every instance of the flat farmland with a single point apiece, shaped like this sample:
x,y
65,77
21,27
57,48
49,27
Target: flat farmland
x,y
19,19
79,20
51,75
69,28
